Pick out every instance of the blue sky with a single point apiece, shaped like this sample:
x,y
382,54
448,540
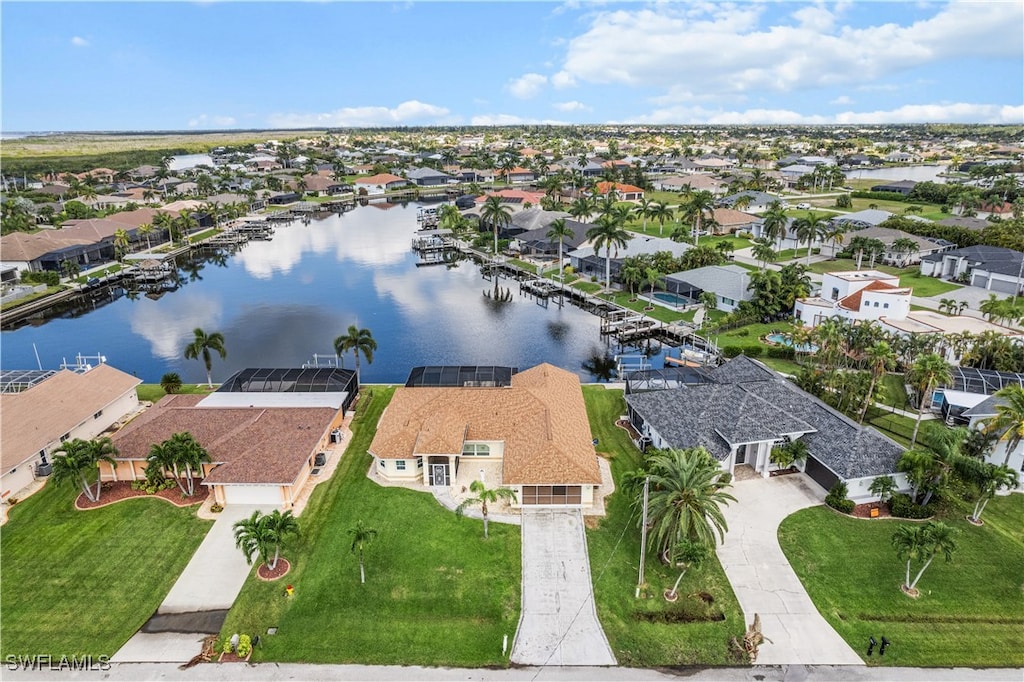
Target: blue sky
x,y
216,65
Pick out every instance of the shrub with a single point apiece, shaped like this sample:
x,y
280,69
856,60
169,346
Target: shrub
x,y
226,647
753,351
837,499
216,508
780,352
48,277
244,646
731,351
170,382
901,506
844,201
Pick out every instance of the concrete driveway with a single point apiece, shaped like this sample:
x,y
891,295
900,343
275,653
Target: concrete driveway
x,y
765,583
210,582
558,625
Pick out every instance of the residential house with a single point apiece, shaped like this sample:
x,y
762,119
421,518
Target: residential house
x,y
531,436
586,262
379,184
728,221
429,177
535,242
622,191
695,182
978,416
989,267
791,174
41,409
904,187
925,246
744,410
263,429
515,176
729,284
759,202
855,295
869,217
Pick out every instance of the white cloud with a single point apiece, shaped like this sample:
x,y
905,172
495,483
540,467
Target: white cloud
x,y
79,41
527,86
724,49
205,121
959,112
563,79
411,112
572,106
842,100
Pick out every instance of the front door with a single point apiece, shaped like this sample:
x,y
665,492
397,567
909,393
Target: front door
x,y
440,474
741,455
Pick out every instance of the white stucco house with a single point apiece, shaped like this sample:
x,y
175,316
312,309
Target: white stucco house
x,y
855,295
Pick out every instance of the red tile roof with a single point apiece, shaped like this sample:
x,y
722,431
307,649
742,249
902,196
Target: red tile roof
x,y
852,302
605,187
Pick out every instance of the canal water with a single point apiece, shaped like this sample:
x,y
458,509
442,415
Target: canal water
x,y
924,173
278,302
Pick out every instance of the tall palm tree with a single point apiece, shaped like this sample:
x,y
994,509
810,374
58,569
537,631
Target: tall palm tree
x,y
560,231
661,212
201,345
121,242
190,456
776,224
763,251
810,228
582,208
643,211
1008,422
359,341
497,215
261,534
608,234
699,208
165,221
483,497
994,478
881,358
80,461
923,543
361,536
687,492
144,230
927,372
835,235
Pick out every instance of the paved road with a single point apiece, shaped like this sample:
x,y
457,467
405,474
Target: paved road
x,y
274,672
558,625
210,582
765,583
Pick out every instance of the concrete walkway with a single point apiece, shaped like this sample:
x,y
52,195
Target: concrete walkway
x,y
210,582
766,584
558,625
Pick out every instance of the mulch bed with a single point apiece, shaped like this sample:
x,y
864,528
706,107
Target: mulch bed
x,y
282,568
863,511
784,472
112,492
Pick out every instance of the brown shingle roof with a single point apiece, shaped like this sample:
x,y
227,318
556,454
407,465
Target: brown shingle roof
x,y
252,445
541,418
34,418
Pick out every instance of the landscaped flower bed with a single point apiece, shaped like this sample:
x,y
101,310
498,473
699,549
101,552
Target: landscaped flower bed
x,y
115,491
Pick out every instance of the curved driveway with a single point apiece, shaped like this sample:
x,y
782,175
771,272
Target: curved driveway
x,y
766,584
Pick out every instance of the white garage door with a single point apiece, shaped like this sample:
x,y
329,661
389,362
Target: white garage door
x,y
253,494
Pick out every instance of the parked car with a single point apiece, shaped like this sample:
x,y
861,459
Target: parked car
x,y
803,205
92,282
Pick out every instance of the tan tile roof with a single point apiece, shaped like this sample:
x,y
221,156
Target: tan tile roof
x,y
252,445
541,418
728,216
379,179
32,419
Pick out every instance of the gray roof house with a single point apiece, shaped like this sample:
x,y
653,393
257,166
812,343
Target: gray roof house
x,y
727,282
998,455
585,261
745,409
990,267
536,242
428,177
759,201
869,217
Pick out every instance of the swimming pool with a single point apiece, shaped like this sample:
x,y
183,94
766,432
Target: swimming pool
x,y
783,339
672,299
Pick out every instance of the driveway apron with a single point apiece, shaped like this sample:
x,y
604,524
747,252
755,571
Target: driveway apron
x,y
210,582
558,625
766,584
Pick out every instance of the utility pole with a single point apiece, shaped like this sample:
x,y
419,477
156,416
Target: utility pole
x,y
643,536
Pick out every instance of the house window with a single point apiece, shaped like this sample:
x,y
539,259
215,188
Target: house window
x,y
400,464
885,306
476,450
419,462
728,301
835,293
876,304
65,437
380,463
98,415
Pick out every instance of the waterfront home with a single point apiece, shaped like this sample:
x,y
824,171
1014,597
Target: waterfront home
x,y
903,187
531,435
743,410
729,284
588,262
379,184
855,295
429,177
41,409
263,429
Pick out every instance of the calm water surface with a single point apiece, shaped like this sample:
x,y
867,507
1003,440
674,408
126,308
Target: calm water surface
x,y
278,302
897,173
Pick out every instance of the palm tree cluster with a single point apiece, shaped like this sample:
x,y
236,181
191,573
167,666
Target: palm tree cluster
x,y
264,534
922,543
179,454
79,461
1002,310
774,292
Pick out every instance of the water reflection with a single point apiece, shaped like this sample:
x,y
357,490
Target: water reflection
x,y
167,325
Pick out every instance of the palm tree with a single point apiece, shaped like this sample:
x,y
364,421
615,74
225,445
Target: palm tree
x,y
359,341
776,224
80,461
881,358
763,251
902,248
883,486
686,494
1008,422
701,205
608,234
361,536
927,372
262,533
144,230
485,496
497,214
643,210
993,479
121,242
170,382
651,277
661,212
631,274
922,543
560,231
835,235
190,455
582,208
201,346
687,554
810,228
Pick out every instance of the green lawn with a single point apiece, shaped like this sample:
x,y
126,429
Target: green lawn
x,y
650,632
49,291
782,365
842,264
154,392
529,267
750,335
970,613
895,390
896,207
901,428
82,582
587,287
660,313
436,592
926,286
